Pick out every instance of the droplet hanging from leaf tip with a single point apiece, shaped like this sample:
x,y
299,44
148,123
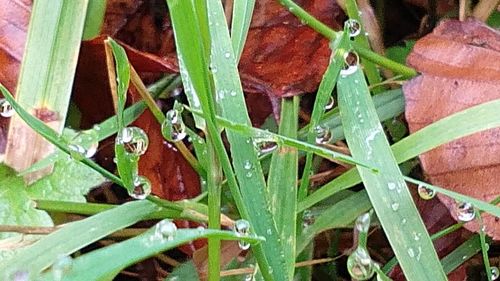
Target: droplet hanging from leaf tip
x,y
173,128
6,109
134,140
242,229
142,188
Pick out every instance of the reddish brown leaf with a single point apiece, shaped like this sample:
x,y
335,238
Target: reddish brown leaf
x,y
459,65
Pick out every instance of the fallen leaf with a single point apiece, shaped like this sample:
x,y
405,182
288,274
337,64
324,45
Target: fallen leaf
x,y
458,62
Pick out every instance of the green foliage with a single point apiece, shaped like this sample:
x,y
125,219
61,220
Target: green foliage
x,y
399,53
16,206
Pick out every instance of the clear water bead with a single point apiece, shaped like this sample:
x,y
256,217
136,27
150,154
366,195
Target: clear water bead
x,y
242,229
360,264
353,26
166,229
426,193
323,135
308,218
495,273
134,140
247,165
330,104
84,144
351,62
464,211
142,188
173,128
6,109
363,223
61,266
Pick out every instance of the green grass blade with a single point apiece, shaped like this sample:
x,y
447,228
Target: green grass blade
x,y
282,182
50,135
339,215
94,18
389,104
461,254
387,189
472,120
242,16
248,170
109,261
322,96
75,236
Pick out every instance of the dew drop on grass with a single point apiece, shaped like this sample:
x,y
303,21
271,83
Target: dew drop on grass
x,y
61,266
495,273
308,218
464,211
391,186
360,264
323,135
425,193
227,55
351,62
411,252
363,223
353,26
173,128
330,104
242,229
395,206
134,140
6,109
247,165
84,145
142,188
165,230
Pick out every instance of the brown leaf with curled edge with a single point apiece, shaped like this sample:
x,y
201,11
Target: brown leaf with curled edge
x,y
460,69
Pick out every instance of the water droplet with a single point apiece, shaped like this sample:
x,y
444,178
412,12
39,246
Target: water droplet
x,y
353,26
495,273
330,104
247,165
227,55
395,206
351,61
464,211
200,229
411,252
142,188
134,140
249,277
84,145
242,229
264,146
249,174
425,193
6,109
173,128
165,229
323,135
391,185
363,223
232,93
308,218
61,266
19,275
360,264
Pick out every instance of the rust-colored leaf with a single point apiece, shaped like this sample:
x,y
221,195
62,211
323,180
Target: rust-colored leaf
x,y
459,65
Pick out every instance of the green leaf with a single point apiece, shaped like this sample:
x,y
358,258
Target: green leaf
x,y
185,271
16,207
110,260
74,236
242,16
69,181
399,53
387,189
282,182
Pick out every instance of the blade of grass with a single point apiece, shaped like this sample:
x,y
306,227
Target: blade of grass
x,y
46,77
322,96
461,254
75,236
484,245
282,182
270,255
339,215
94,18
472,120
389,104
387,189
326,31
109,261
242,16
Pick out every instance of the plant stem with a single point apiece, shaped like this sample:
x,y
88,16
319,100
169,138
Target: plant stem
x,y
214,202
326,31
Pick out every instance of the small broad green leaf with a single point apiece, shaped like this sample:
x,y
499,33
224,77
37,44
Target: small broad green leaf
x,y
399,53
185,271
16,207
